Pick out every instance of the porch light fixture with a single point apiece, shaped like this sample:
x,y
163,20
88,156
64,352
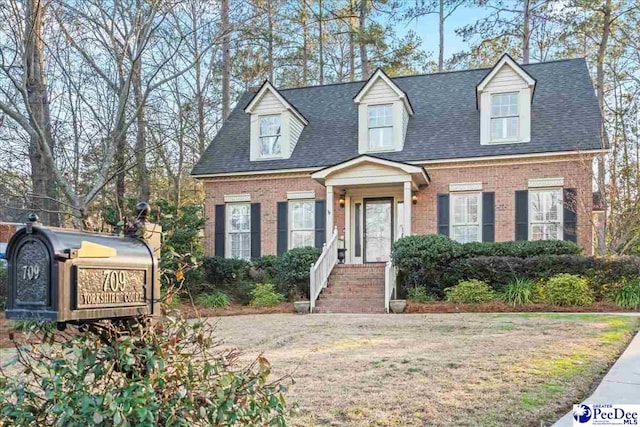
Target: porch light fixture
x,y
341,200
414,199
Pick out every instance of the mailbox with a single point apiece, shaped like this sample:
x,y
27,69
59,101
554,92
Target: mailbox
x,y
72,276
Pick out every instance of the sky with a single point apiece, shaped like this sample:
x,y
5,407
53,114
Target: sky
x,y
427,29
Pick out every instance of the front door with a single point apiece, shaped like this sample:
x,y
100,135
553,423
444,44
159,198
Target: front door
x,y
378,229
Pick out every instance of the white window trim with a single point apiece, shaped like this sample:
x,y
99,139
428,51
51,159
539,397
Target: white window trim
x,y
290,229
390,147
294,195
518,116
560,211
451,213
280,136
546,182
237,198
465,186
228,231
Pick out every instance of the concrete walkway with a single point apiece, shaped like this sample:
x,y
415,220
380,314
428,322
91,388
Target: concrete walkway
x,y
620,386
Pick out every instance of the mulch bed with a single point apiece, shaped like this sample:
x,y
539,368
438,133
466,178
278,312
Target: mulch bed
x,y
501,307
189,311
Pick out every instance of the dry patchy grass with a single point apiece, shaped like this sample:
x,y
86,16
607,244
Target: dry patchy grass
x,y
433,369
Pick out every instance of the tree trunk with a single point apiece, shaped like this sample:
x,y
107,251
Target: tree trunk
x,y
198,75
601,179
305,45
226,60
144,190
364,59
441,37
352,43
320,43
526,32
44,197
270,41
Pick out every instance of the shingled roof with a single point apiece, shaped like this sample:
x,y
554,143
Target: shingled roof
x,y
446,124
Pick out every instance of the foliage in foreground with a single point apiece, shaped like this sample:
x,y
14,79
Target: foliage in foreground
x,y
169,374
420,294
215,300
567,289
265,295
628,295
470,292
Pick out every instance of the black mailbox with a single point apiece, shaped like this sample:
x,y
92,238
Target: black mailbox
x,y
72,276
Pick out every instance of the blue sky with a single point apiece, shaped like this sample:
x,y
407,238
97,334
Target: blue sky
x,y
427,28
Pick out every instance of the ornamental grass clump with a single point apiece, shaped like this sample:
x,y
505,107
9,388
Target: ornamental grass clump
x,y
138,374
470,292
628,295
519,291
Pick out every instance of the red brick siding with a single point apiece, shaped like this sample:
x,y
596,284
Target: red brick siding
x,y
6,231
502,177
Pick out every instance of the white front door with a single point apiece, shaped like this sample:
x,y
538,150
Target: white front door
x,y
378,229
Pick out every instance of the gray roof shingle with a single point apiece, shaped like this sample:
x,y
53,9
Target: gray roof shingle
x,y
564,117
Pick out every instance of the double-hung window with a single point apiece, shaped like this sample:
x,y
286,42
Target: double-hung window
x,y
465,220
239,230
545,214
301,223
380,127
270,136
504,116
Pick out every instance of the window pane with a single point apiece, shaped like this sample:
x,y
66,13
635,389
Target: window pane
x,y
380,115
545,231
465,217
240,217
270,125
302,215
241,245
466,233
301,239
504,104
380,138
270,145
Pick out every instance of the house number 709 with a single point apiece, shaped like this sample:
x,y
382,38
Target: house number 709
x,y
30,272
113,281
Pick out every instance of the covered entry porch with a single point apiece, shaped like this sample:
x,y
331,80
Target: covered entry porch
x,y
370,201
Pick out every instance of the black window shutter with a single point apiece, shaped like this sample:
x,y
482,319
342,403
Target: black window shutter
x,y
522,215
321,220
443,214
219,230
282,228
255,230
570,215
488,216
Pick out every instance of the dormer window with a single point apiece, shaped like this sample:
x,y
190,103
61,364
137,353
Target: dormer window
x,y
380,127
504,116
270,136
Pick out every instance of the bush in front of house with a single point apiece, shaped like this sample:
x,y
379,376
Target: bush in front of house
x,y
520,249
265,295
566,290
470,292
265,269
171,373
216,299
627,295
420,294
520,291
293,271
220,271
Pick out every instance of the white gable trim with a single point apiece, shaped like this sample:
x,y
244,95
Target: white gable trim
x,y
506,60
379,74
267,86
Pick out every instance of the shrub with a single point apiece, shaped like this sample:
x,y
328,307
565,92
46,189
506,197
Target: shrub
x,y
520,249
420,294
3,285
470,291
567,289
165,374
265,269
628,295
221,271
215,300
265,295
294,268
520,291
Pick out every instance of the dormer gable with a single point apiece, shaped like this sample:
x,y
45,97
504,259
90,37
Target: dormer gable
x,y
276,124
504,99
383,115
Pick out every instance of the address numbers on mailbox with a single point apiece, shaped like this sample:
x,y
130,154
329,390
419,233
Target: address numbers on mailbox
x,y
98,287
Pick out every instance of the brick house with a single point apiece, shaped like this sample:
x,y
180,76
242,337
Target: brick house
x,y
493,154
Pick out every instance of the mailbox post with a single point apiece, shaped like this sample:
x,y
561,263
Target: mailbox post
x,y
78,277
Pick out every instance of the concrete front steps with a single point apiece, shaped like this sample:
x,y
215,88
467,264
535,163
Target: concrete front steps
x,y
353,289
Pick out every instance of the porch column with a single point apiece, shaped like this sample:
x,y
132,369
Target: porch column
x,y
329,222
407,208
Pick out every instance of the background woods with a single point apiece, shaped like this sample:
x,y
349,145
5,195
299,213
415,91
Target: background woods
x,y
104,102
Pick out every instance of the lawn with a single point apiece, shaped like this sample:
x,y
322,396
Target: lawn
x,y
433,369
